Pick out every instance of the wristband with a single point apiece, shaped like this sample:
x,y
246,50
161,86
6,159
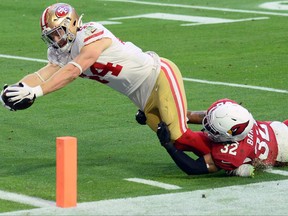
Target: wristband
x,y
40,77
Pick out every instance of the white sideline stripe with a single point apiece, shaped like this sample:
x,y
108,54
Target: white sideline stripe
x,y
236,85
278,172
33,201
186,79
258,199
201,7
154,183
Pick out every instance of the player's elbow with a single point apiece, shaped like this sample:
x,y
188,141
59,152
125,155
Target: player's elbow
x,y
74,70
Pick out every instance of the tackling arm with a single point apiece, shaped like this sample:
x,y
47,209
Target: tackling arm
x,y
195,117
202,165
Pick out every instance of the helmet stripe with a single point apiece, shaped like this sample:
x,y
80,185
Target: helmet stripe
x,y
43,22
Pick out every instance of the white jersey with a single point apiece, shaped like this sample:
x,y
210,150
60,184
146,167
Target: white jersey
x,y
122,66
281,134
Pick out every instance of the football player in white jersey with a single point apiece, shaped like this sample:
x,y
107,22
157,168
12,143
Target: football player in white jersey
x,y
91,51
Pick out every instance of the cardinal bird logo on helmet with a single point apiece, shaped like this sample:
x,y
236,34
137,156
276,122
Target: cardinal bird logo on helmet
x,y
238,129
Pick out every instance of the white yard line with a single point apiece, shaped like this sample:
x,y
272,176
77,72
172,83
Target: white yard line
x,y
23,58
154,183
201,7
185,79
228,21
33,201
237,85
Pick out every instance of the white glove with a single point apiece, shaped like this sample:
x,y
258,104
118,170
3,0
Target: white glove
x,y
245,170
2,102
23,91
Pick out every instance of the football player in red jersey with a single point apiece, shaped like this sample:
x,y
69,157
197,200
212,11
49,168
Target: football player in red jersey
x,y
237,142
89,50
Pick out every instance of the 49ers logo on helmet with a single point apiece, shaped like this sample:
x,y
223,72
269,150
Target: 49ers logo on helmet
x,y
238,129
62,11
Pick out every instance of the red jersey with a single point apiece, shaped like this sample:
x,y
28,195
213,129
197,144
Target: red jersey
x,y
260,143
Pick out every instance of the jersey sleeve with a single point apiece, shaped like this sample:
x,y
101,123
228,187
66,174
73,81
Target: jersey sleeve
x,y
231,156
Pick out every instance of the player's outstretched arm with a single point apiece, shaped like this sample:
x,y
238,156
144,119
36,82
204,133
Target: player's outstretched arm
x,y
40,76
24,92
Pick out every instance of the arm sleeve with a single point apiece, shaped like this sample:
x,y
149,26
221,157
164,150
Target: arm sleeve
x,y
186,163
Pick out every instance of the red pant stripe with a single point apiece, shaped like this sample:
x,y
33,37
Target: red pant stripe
x,y
177,94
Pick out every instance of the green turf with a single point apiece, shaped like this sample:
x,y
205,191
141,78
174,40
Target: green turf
x,y
7,206
111,145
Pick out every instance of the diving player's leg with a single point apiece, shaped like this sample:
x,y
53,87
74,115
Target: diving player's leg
x,y
173,109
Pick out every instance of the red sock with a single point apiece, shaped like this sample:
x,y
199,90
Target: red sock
x,y
197,142
286,122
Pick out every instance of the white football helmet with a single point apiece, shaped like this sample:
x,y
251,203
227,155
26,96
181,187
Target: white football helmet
x,y
228,122
59,24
